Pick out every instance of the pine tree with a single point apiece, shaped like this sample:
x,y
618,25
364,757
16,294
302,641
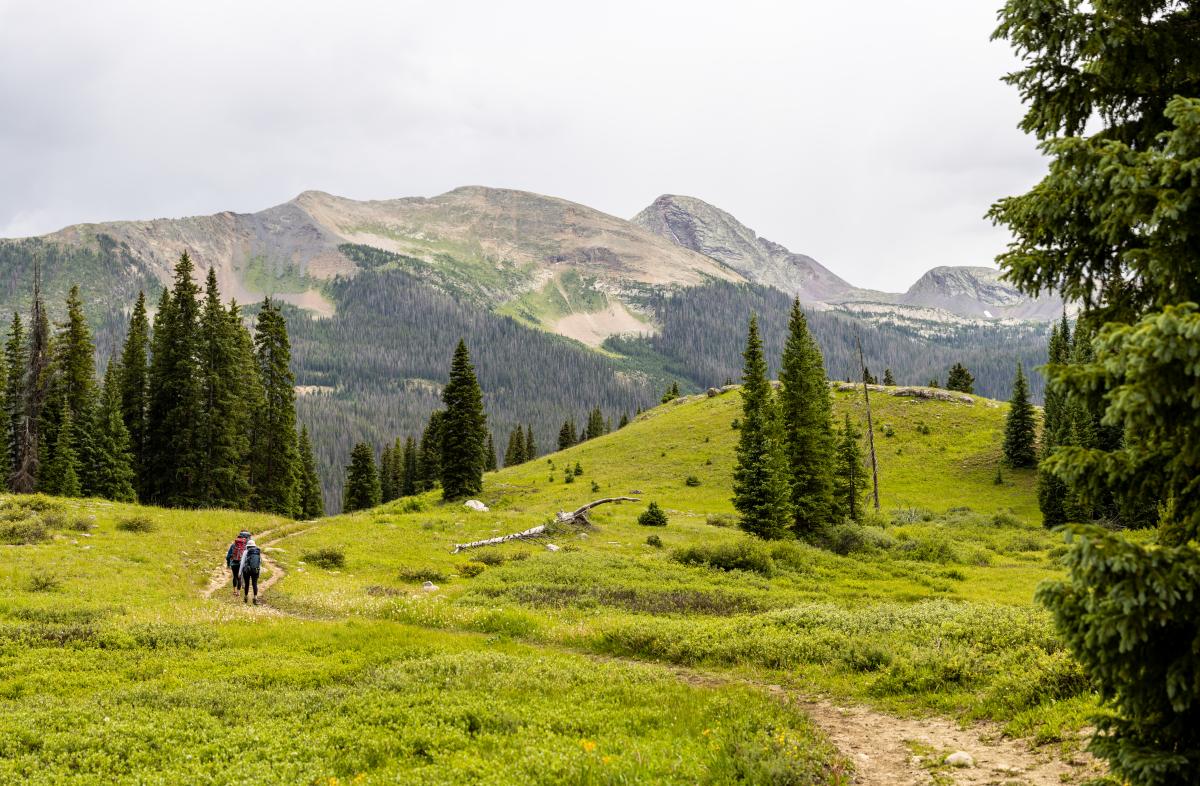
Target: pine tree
x,y
671,394
176,410
387,491
869,378
73,386
222,438
1020,437
411,475
312,505
489,455
250,396
362,481
531,451
112,476
566,435
429,470
515,454
15,360
61,473
135,372
850,482
760,485
274,483
624,420
595,424
807,416
888,379
465,427
34,389
960,379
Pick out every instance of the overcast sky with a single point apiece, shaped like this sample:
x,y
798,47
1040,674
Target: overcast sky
x,y
871,135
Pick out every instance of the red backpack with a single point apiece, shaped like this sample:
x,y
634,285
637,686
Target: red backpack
x,y
239,546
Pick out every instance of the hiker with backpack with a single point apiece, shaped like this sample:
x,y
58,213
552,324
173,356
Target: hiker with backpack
x,y
250,563
233,558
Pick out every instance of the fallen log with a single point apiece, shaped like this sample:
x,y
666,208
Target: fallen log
x,y
575,517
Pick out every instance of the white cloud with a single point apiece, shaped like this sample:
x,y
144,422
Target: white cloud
x,y
871,135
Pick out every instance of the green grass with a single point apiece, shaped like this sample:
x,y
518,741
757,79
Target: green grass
x,y
266,278
543,307
528,664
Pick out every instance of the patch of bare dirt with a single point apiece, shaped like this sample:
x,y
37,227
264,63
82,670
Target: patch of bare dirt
x,y
592,328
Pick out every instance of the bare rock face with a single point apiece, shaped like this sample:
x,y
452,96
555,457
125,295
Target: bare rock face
x,y
978,292
476,506
695,224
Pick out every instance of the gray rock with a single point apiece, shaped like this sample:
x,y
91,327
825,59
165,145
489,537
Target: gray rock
x,y
476,505
552,547
960,759
429,586
713,392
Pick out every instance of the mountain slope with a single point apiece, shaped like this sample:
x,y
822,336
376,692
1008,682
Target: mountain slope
x,y
973,292
701,227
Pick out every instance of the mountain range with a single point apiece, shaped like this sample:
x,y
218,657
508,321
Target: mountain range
x,y
566,307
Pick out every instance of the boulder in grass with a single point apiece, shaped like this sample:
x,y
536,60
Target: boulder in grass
x,y
429,586
960,759
476,506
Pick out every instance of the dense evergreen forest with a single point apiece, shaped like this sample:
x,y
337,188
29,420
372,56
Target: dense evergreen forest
x,y
374,370
702,342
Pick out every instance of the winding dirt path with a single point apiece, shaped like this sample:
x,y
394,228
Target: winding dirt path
x,y
220,576
886,750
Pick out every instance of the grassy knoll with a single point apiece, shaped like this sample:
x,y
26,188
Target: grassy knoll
x,y
530,665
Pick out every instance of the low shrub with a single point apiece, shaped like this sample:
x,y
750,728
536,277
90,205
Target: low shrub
x,y
792,555
25,532
1005,519
470,570
653,516
490,558
721,520
745,555
329,558
412,505
692,480
927,550
139,524
42,581
421,575
911,515
655,541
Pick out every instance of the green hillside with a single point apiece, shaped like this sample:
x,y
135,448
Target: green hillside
x,y
528,664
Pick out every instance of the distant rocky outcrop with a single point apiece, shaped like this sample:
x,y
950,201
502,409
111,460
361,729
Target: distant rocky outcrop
x,y
978,292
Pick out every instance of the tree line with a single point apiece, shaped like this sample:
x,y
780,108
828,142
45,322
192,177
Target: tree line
x,y
194,411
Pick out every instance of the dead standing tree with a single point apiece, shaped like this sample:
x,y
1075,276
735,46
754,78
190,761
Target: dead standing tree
x,y
577,518
870,428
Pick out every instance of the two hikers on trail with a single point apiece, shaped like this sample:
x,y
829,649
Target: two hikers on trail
x,y
244,558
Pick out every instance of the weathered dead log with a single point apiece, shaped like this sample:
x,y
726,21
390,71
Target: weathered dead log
x,y
578,516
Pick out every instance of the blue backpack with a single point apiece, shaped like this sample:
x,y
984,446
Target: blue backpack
x,y
253,558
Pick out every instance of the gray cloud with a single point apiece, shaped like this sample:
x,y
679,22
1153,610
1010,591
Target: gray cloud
x,y
871,135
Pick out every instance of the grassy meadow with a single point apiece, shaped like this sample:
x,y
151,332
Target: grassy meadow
x,y
629,655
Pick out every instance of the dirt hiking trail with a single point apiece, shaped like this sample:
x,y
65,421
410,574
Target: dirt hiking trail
x,y
886,750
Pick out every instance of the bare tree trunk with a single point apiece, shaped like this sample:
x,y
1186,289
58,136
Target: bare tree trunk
x,y
870,428
578,516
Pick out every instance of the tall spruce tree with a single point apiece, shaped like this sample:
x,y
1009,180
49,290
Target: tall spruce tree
x,y
16,359
464,429
222,434
850,479
566,435
489,455
135,373
34,389
276,465
362,481
515,454
61,473
531,450
113,475
761,493
595,424
411,475
1056,428
312,504
387,488
176,407
73,387
807,413
888,379
1020,436
429,459
1111,92
960,379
